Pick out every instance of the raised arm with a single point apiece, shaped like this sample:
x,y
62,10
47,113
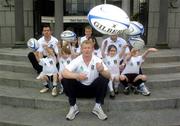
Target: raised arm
x,y
148,51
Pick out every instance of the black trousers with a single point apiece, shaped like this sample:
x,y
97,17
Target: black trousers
x,y
34,62
74,89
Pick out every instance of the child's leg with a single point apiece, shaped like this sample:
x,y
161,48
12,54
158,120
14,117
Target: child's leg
x,y
61,86
110,85
116,84
54,90
44,79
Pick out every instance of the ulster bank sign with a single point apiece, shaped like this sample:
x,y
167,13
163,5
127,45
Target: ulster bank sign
x,y
66,19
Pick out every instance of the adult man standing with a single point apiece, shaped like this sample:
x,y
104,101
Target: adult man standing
x,y
86,76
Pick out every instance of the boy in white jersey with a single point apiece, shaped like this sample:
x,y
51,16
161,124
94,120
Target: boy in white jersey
x,y
131,73
47,39
49,69
86,76
64,59
112,60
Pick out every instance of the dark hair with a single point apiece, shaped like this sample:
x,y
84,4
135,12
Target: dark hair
x,y
46,25
96,46
111,46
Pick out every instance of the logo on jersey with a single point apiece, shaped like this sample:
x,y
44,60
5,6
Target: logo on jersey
x,y
92,67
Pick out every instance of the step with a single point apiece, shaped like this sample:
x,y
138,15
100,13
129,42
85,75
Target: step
x,y
16,66
29,80
160,68
162,56
56,117
31,98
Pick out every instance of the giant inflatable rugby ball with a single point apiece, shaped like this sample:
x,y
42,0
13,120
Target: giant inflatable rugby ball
x,y
108,19
135,29
68,36
137,42
33,44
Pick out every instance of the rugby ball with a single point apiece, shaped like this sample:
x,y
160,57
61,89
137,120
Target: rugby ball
x,y
33,44
68,36
135,29
137,42
108,19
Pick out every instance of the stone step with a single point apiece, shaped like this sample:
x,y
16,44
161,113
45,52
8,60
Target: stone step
x,y
31,98
161,68
163,55
14,116
28,80
148,68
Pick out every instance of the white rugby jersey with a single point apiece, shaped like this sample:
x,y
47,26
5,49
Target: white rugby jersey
x,y
77,65
113,64
64,62
49,65
51,43
133,65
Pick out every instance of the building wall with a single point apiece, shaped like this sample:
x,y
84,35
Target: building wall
x,y
173,32
7,22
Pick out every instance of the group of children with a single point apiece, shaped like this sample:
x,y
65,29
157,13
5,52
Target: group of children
x,y
124,64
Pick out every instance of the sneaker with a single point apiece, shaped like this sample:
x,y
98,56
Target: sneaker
x,y
73,111
54,91
116,90
143,90
126,90
61,90
99,113
44,90
134,90
112,95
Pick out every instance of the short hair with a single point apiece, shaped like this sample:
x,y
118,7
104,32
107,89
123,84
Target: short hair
x,y
111,46
45,26
87,42
88,27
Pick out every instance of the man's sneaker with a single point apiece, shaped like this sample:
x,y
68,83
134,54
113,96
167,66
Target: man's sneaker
x,y
126,90
73,111
112,95
54,91
99,113
44,90
143,90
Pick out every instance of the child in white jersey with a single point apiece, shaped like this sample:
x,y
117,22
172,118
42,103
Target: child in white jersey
x,y
131,73
112,61
49,71
64,59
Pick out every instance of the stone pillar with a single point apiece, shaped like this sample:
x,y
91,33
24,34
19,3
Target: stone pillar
x,y
163,25
19,24
59,27
126,6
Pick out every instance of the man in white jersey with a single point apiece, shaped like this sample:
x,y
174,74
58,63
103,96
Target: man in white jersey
x,y
46,39
115,40
88,33
86,76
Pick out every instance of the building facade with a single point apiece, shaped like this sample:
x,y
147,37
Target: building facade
x,y
151,13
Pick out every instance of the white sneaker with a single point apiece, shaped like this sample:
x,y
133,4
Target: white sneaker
x,y
99,113
54,91
39,76
73,111
144,90
44,90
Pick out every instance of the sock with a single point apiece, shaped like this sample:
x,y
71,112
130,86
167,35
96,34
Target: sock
x,y
97,105
116,84
110,85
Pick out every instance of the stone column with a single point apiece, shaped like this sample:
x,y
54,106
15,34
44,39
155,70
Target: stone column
x,y
163,25
19,24
59,27
126,6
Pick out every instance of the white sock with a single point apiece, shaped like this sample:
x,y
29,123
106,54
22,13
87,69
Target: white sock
x,y
116,84
110,85
97,105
